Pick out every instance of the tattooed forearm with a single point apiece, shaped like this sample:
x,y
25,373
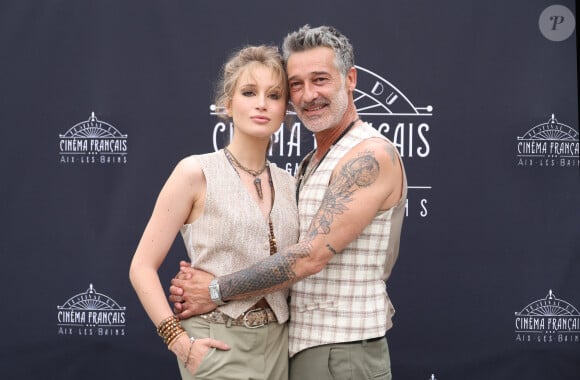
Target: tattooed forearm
x,y
279,270
361,171
274,273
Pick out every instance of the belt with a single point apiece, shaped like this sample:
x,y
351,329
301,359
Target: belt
x,y
363,341
251,319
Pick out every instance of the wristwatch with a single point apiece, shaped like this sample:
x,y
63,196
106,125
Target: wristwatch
x,y
214,292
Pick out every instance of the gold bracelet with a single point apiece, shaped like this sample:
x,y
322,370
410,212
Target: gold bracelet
x,y
177,335
169,329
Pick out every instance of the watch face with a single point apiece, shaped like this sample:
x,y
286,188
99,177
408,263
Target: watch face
x,y
213,292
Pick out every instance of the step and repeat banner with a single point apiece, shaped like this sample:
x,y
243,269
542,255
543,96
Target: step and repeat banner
x,y
100,99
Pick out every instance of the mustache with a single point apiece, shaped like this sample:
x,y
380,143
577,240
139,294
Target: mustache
x,y
314,104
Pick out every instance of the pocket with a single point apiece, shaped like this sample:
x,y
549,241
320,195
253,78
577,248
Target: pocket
x,y
206,366
339,363
383,375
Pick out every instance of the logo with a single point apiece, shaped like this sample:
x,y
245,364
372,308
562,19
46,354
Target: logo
x,y
548,320
379,103
557,23
550,144
93,142
91,314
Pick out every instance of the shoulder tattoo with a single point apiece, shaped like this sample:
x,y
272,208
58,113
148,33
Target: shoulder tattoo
x,y
358,172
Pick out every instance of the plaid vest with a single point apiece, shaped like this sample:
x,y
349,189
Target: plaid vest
x,y
347,300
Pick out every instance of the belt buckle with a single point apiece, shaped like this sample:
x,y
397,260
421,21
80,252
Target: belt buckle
x,y
247,324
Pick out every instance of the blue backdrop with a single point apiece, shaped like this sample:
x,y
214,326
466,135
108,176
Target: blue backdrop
x,y
100,99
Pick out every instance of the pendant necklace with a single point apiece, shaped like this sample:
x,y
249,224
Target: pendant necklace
x,y
258,184
255,173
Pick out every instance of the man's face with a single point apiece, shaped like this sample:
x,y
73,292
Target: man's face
x,y
318,91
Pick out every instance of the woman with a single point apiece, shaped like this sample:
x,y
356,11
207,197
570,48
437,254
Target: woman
x,y
232,208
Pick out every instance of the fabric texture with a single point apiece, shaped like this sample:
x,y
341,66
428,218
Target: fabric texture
x,y
347,300
255,354
343,361
232,233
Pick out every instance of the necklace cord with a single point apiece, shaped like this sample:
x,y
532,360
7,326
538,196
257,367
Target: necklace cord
x,y
305,164
258,185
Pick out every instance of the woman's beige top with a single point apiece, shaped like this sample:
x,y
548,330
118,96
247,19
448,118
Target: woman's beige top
x,y
232,233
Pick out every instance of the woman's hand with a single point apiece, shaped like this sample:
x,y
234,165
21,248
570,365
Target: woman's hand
x,y
192,353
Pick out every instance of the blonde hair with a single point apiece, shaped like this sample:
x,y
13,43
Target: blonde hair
x,y
241,60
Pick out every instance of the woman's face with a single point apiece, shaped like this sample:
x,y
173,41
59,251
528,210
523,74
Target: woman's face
x,y
258,104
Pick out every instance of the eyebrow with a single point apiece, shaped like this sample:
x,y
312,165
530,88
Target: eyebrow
x,y
312,73
253,85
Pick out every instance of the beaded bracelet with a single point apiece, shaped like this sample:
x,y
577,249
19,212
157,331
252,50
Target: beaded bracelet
x,y
170,329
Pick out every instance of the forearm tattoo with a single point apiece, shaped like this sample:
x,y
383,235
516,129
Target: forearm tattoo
x,y
278,271
274,273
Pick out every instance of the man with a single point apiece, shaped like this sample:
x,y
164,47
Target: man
x,y
352,191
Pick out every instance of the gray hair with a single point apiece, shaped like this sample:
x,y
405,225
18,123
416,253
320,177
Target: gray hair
x,y
307,38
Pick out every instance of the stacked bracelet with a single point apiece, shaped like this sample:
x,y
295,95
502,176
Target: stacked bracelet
x,y
170,329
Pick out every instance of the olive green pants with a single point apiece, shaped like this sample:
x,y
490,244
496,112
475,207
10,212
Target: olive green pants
x,y
342,361
256,354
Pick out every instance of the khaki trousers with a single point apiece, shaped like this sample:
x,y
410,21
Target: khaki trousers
x,y
342,361
256,354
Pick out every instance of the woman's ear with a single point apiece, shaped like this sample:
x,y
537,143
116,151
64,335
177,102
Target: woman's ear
x,y
227,109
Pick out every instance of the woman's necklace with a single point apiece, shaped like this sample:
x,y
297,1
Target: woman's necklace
x,y
255,173
258,184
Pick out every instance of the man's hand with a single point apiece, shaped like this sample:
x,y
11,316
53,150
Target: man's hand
x,y
189,292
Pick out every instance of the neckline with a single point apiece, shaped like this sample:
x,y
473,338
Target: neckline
x,y
271,236
268,170
303,175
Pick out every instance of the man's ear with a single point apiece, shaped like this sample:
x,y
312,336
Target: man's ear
x,y
351,79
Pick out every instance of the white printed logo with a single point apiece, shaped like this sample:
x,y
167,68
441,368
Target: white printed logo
x,y
92,314
550,144
379,103
93,142
548,320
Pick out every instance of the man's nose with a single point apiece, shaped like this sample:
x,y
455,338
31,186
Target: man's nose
x,y
310,93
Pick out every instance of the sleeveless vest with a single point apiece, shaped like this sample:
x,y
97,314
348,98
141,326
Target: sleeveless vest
x,y
232,233
347,300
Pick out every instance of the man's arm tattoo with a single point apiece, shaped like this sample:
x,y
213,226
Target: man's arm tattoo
x,y
271,274
278,271
361,171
